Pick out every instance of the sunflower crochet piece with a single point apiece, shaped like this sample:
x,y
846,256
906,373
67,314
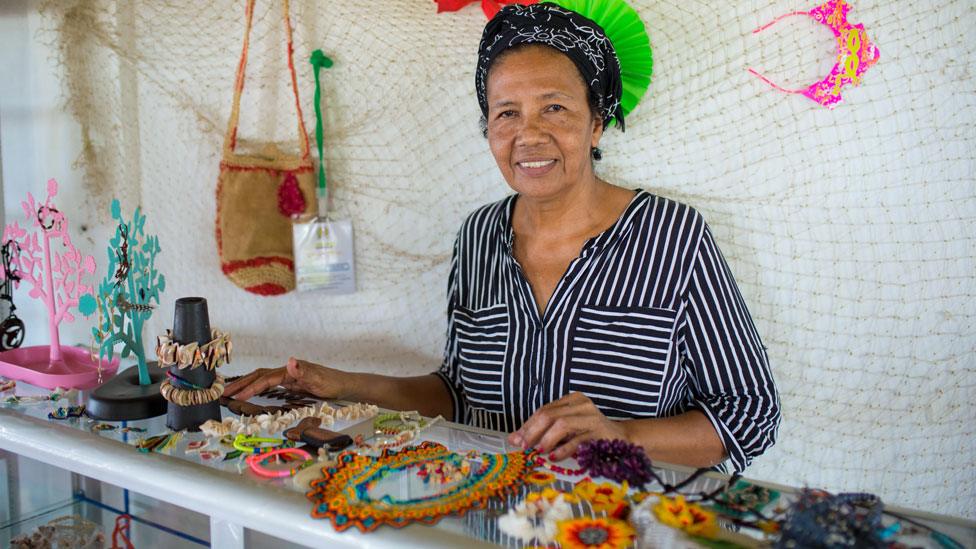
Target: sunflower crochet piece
x,y
594,533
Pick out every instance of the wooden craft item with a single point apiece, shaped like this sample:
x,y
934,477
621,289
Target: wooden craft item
x,y
309,432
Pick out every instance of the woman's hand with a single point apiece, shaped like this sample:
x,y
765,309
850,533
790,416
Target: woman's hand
x,y
297,375
560,426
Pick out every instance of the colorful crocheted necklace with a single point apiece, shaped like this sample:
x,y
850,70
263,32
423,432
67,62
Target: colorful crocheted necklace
x,y
363,491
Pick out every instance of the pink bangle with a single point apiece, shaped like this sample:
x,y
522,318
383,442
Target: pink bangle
x,y
258,462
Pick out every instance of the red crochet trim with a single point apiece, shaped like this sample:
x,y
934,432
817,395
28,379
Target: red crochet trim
x,y
266,289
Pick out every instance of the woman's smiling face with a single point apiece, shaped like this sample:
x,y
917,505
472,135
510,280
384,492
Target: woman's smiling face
x,y
540,125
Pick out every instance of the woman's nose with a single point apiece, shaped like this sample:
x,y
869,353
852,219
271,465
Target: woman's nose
x,y
532,131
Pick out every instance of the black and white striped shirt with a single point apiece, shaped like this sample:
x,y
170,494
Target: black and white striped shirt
x,y
647,322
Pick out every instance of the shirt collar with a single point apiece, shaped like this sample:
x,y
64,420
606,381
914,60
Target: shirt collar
x,y
620,228
505,222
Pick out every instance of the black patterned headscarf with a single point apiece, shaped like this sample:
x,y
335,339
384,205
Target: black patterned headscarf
x,y
577,37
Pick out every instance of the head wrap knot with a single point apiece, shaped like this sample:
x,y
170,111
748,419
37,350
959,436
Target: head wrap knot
x,y
579,38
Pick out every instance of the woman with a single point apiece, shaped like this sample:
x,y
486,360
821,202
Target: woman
x,y
577,309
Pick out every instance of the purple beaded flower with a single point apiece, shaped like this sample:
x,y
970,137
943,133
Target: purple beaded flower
x,y
616,460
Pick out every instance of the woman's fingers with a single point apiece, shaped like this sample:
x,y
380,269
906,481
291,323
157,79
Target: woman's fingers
x,y
532,431
296,368
314,378
296,375
293,385
235,386
588,426
559,427
568,447
263,382
563,429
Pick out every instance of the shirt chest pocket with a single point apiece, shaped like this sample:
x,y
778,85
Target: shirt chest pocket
x,y
482,341
620,358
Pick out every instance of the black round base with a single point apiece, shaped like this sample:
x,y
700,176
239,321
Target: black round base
x,y
191,417
122,398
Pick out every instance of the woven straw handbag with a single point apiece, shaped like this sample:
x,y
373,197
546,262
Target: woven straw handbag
x,y
258,195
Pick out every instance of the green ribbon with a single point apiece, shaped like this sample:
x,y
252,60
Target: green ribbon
x,y
319,60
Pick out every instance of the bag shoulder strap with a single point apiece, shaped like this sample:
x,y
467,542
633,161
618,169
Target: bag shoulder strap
x,y
230,138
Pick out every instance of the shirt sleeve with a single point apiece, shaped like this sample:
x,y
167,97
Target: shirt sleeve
x,y
731,382
449,371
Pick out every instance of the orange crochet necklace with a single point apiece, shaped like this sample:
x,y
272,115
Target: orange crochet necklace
x,y
350,494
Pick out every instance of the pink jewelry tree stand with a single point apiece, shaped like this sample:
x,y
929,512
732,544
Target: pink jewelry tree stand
x,y
57,278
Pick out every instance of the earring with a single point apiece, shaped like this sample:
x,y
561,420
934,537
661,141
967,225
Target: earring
x,y
596,153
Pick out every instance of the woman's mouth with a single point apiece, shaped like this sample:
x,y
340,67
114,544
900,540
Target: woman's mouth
x,y
535,167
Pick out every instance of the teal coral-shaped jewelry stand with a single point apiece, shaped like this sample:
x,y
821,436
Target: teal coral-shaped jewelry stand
x,y
126,298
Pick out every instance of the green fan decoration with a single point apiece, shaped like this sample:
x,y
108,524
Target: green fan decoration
x,y
626,32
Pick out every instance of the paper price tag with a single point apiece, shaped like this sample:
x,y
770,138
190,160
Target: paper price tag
x,y
324,256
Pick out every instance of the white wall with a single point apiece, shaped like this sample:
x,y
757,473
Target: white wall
x,y
850,231
39,141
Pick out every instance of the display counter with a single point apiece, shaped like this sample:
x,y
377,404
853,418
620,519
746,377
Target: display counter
x,y
231,499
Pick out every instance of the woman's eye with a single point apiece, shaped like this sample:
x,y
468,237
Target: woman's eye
x,y
555,108
506,114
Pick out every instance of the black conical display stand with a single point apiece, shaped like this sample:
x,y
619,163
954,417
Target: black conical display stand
x,y
191,323
122,398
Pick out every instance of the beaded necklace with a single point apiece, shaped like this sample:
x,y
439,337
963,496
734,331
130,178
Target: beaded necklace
x,y
397,422
557,469
343,495
279,421
394,437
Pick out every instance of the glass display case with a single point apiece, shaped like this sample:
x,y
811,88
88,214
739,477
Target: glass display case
x,y
55,468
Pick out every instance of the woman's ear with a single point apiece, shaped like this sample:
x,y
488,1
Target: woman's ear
x,y
597,132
